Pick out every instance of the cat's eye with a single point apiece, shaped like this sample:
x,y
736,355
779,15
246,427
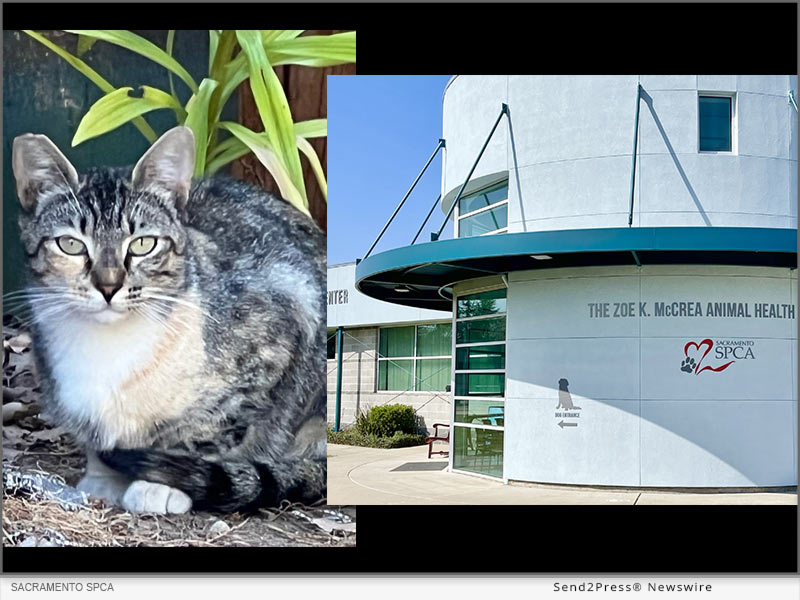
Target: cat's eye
x,y
142,246
70,245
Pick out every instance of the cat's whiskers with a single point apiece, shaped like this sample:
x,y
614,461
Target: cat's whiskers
x,y
181,301
51,313
36,303
148,313
35,292
167,314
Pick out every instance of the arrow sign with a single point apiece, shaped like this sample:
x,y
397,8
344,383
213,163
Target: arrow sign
x,y
562,424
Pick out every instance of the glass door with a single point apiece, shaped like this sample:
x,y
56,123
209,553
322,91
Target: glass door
x,y
480,376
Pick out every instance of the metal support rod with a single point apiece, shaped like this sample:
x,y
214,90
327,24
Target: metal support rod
x,y
635,145
439,146
503,111
435,204
339,340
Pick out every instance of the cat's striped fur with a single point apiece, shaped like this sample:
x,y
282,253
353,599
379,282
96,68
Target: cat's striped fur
x,y
199,381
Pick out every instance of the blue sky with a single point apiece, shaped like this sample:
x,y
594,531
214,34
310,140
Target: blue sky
x,y
381,130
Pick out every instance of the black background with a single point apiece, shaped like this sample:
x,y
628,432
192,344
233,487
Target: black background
x,y
482,39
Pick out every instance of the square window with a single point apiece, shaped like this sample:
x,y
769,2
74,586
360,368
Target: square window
x,y
397,341
415,358
434,340
716,124
396,375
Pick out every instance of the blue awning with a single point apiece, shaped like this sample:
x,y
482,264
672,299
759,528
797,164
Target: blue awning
x,y
424,272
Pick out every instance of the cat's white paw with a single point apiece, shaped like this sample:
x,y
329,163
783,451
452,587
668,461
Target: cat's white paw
x,y
144,496
106,487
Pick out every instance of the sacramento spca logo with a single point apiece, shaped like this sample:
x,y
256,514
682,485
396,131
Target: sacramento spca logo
x,y
695,354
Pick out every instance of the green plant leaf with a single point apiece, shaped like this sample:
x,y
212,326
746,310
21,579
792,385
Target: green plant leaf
x,y
314,50
197,121
232,74
227,151
271,35
84,44
233,148
223,53
117,107
260,145
307,149
223,49
213,42
312,128
170,45
94,77
273,107
138,44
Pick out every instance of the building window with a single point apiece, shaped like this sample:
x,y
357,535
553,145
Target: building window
x,y
484,211
415,358
331,344
480,381
716,124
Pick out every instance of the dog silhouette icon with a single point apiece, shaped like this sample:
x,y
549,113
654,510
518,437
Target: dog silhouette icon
x,y
564,397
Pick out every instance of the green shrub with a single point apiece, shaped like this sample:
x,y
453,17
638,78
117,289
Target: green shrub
x,y
385,421
352,437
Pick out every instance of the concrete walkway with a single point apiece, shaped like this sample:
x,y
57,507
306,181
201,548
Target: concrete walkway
x,y
366,476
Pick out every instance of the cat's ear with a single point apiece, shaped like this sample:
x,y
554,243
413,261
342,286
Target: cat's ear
x,y
40,169
168,165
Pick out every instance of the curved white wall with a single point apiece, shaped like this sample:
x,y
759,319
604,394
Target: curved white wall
x,y
569,159
642,420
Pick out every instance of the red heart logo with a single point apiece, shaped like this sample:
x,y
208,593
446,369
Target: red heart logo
x,y
709,344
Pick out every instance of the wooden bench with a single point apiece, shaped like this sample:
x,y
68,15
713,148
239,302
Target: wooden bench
x,y
438,437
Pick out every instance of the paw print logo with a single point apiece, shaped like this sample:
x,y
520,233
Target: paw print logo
x,y
688,365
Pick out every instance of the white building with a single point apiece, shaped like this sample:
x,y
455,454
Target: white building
x,y
611,326
410,370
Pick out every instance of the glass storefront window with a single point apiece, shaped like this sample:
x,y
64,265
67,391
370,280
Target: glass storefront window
x,y
481,330
433,375
397,341
434,340
481,357
483,412
415,358
484,303
478,450
395,375
480,322
480,384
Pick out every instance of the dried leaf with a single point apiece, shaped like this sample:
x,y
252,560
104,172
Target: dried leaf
x,y
47,435
10,453
14,435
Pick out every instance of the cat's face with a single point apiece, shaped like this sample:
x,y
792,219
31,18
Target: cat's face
x,y
107,245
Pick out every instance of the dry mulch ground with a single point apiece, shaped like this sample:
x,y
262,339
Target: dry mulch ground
x,y
41,464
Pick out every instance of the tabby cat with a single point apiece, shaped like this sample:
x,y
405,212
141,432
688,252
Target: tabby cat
x,y
178,327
